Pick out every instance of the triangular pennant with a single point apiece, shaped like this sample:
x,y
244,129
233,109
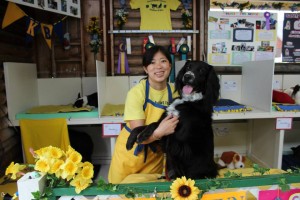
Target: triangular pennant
x,y
12,14
47,33
58,29
32,28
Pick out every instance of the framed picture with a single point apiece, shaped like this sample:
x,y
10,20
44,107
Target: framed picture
x,y
65,7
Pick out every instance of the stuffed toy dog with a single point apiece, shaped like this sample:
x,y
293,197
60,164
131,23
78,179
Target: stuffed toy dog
x,y
294,93
232,160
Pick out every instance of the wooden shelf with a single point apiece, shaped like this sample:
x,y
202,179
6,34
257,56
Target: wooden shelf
x,y
68,60
152,31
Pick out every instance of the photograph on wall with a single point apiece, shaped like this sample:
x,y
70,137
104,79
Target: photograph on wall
x,y
65,7
291,38
235,37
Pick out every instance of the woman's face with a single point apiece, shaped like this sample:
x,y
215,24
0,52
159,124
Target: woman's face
x,y
159,69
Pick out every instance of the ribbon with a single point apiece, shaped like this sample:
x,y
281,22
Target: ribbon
x,y
186,4
122,62
184,49
267,15
149,45
122,3
172,50
145,41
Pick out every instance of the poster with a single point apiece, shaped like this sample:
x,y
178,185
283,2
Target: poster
x,y
64,7
235,37
291,38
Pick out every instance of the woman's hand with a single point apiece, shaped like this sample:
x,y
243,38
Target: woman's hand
x,y
166,127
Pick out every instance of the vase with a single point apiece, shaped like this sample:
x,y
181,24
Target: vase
x,y
30,183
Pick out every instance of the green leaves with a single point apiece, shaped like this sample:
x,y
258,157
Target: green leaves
x,y
42,196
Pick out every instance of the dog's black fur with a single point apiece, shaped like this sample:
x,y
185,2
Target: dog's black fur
x,y
91,100
190,150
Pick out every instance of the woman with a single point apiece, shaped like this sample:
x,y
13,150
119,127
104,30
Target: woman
x,y
145,103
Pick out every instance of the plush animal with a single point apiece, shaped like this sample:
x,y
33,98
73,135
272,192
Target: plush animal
x,y
90,100
190,150
232,160
294,93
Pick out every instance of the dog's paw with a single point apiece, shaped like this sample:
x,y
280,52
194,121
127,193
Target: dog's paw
x,y
147,132
133,137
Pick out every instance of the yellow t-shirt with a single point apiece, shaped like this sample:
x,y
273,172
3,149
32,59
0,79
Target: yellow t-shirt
x,y
155,14
136,98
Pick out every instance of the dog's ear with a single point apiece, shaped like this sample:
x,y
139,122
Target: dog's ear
x,y
178,80
213,87
78,96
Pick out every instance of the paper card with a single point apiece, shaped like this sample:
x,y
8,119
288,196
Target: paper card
x,y
111,129
292,194
284,123
229,86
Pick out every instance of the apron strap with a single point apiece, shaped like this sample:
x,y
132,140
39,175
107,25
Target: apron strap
x,y
140,147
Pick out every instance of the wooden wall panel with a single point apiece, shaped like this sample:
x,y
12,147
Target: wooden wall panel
x,y
133,23
12,49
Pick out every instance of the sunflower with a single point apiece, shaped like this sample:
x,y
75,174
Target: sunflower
x,y
184,189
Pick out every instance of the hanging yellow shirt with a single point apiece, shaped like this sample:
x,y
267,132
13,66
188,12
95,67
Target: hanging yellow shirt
x,y
155,14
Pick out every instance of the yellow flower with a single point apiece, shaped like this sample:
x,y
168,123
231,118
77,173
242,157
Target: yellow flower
x,y
69,151
80,183
87,172
68,170
14,169
183,189
42,165
75,157
55,152
55,168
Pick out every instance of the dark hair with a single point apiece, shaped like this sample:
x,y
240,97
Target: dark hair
x,y
149,54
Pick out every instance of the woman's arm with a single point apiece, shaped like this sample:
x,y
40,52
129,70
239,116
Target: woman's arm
x,y
166,127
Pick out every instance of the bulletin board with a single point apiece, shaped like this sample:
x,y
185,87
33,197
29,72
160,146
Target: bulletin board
x,y
65,7
237,37
291,38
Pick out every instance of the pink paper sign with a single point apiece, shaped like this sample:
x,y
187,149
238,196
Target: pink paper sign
x,y
293,194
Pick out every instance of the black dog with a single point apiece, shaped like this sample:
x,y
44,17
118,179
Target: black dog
x,y
190,150
91,100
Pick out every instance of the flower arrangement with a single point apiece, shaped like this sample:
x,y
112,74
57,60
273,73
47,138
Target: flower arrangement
x,y
184,189
61,168
121,15
187,19
95,34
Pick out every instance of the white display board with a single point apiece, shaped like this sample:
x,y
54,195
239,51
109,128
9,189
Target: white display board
x,y
65,7
238,37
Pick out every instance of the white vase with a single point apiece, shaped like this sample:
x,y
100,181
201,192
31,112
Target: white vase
x,y
30,183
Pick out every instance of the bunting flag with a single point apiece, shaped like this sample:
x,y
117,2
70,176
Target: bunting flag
x,y
122,62
58,29
32,28
47,33
172,50
12,14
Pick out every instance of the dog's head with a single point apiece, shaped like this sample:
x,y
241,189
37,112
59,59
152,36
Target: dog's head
x,y
198,77
80,101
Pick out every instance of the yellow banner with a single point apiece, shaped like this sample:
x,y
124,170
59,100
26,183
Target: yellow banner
x,y
12,14
239,195
47,33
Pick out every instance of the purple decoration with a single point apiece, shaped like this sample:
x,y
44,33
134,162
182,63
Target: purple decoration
x,y
267,15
